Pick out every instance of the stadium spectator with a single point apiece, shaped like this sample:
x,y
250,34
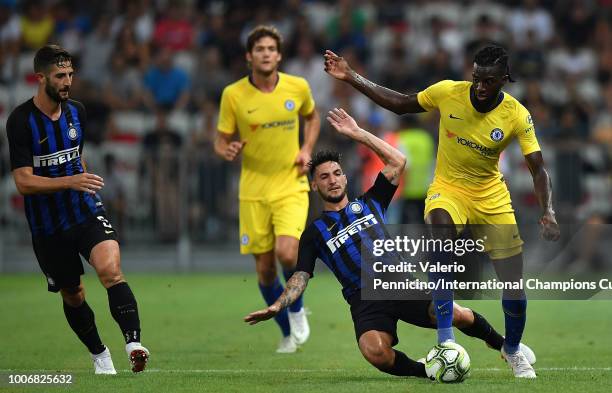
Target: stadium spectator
x,y
166,85
37,24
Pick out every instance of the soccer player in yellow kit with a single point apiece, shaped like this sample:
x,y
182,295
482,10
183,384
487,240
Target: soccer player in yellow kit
x,y
265,108
477,122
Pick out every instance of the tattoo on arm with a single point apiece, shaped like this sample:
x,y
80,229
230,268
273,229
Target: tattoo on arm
x,y
295,287
389,99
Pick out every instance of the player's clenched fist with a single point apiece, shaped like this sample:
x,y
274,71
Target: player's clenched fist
x,y
233,149
549,228
86,182
336,66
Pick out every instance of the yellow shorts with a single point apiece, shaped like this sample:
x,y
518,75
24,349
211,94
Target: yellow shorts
x,y
263,220
491,219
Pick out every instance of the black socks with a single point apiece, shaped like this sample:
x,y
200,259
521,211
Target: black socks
x,y
124,310
82,321
483,330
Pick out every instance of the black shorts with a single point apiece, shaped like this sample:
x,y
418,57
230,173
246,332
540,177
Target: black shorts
x,y
383,315
58,254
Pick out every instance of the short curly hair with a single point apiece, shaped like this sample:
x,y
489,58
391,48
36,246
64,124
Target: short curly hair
x,y
321,157
493,55
264,31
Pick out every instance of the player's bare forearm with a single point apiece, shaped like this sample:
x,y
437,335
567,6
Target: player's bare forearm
x,y
28,183
394,160
312,126
389,99
543,190
296,285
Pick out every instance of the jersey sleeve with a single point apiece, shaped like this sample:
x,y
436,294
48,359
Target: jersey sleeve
x,y
307,252
430,98
382,191
19,141
227,114
308,103
83,119
525,132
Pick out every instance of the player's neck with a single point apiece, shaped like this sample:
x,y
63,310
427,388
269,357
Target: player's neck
x,y
265,83
488,105
48,106
334,207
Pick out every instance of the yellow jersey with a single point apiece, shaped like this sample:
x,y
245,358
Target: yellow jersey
x,y
471,142
269,123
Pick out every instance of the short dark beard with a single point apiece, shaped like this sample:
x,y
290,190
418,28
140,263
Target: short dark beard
x,y
53,94
331,199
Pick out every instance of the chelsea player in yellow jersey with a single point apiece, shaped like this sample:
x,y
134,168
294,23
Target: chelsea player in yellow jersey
x,y
265,108
477,122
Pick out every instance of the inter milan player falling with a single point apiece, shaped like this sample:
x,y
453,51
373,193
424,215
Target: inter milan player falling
x,y
65,214
477,122
265,108
337,237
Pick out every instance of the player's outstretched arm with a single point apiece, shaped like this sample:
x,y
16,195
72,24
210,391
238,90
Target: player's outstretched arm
x,y
293,290
28,183
389,99
543,189
226,148
312,126
394,160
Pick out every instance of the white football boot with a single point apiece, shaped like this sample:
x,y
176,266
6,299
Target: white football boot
x,y
138,355
287,345
103,363
300,330
529,354
519,364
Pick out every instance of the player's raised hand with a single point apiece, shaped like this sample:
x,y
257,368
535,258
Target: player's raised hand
x,y
233,149
549,228
336,66
262,315
302,160
343,122
86,182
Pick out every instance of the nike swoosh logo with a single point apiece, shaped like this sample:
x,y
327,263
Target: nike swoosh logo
x,y
107,232
442,305
454,117
251,111
42,140
331,227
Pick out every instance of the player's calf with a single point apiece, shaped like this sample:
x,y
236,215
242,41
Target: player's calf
x,y
376,349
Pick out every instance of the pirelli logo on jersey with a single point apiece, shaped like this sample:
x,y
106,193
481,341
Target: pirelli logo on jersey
x,y
344,234
485,151
58,158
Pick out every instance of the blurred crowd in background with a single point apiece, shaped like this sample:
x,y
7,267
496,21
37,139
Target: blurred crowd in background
x,y
151,73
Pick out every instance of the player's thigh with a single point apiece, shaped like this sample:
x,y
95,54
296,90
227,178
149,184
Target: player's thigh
x,y
97,242
256,231
372,315
289,214
494,224
452,202
59,260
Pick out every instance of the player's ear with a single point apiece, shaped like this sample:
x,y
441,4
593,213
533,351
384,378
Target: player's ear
x,y
40,77
313,186
249,58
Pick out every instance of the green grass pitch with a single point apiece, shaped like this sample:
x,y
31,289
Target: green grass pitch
x,y
193,326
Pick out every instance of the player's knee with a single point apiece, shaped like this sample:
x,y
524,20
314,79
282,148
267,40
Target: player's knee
x,y
377,354
111,278
73,297
287,257
462,317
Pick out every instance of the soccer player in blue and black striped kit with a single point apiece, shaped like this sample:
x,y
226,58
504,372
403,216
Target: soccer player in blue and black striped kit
x,y
336,237
65,214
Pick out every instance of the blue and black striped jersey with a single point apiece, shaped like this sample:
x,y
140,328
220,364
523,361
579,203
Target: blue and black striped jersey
x,y
52,149
337,237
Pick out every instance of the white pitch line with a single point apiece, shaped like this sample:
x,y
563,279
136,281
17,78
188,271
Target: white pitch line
x,y
297,370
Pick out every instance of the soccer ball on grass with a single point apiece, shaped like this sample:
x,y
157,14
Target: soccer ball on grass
x,y
447,362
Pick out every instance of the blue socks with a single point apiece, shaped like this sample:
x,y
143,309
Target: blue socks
x,y
299,303
443,298
270,294
515,315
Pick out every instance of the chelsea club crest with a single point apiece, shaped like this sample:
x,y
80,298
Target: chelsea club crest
x,y
72,132
289,105
355,207
497,134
